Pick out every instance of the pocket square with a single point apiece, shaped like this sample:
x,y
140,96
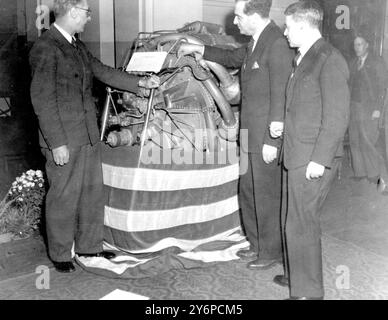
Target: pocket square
x,y
255,66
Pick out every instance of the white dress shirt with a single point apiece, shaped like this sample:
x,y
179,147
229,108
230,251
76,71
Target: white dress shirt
x,y
258,33
307,46
64,33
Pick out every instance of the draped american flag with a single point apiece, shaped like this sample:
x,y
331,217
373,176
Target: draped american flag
x,y
166,214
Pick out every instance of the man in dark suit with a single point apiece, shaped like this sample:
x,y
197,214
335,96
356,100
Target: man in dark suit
x,y
317,116
265,67
367,136
62,75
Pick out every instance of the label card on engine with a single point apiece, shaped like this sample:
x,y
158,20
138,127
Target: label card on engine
x,y
147,61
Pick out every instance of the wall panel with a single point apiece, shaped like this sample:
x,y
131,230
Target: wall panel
x,y
385,39
222,12
127,22
170,14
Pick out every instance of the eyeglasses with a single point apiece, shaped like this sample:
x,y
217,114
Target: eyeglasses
x,y
88,11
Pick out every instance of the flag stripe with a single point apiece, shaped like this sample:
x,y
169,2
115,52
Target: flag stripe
x,y
165,180
132,221
135,241
166,200
229,236
129,157
167,215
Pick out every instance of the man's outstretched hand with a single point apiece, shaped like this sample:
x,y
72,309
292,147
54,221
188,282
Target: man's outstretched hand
x,y
151,82
190,48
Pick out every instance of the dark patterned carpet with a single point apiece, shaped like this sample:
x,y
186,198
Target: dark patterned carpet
x,y
368,279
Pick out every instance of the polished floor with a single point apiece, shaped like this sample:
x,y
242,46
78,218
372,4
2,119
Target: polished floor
x,y
355,261
356,213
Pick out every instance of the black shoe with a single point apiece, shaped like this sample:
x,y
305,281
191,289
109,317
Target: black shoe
x,y
65,267
103,254
246,254
281,280
305,298
262,264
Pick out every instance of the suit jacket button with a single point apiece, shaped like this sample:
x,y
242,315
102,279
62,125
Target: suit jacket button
x,y
76,75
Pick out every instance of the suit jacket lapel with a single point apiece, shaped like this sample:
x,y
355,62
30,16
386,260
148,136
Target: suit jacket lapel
x,y
306,62
64,45
61,41
68,49
259,48
262,41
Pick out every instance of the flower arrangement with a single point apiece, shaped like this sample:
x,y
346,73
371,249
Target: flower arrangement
x,y
20,210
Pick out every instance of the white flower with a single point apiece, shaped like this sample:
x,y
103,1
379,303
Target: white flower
x,y
39,174
40,185
20,199
31,172
20,188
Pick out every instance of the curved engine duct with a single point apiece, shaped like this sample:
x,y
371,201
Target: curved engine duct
x,y
229,84
189,97
173,37
203,27
224,106
229,122
229,125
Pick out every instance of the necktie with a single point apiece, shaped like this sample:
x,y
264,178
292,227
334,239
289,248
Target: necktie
x,y
359,63
295,63
250,46
73,42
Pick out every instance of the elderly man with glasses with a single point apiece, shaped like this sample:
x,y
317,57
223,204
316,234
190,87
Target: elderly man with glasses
x,y
61,93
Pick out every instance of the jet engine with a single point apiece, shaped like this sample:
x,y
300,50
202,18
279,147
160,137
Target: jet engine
x,y
195,105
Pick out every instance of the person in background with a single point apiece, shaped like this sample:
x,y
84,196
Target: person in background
x,y
367,136
61,93
317,117
265,64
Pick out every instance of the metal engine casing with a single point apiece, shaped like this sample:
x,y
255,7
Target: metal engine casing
x,y
192,107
